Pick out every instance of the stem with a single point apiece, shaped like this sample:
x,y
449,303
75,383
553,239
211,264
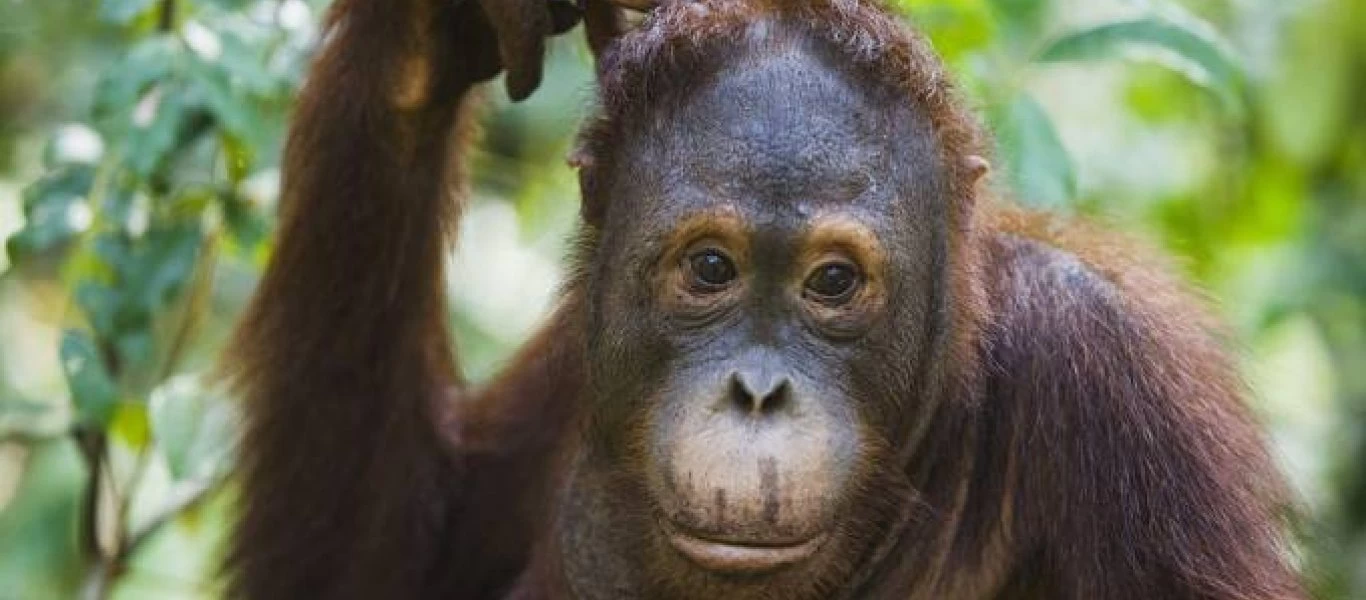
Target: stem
x,y
191,306
97,582
125,505
93,447
166,20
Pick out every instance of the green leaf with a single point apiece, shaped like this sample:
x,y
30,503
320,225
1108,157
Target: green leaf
x,y
93,391
136,346
238,158
1036,161
248,226
124,283
56,209
1186,45
151,61
151,143
161,265
100,303
123,11
121,208
233,110
130,424
195,428
245,65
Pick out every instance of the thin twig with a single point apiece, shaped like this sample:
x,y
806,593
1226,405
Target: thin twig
x,y
125,502
192,305
166,18
98,582
93,447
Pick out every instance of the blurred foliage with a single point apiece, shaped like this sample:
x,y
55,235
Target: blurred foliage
x,y
139,152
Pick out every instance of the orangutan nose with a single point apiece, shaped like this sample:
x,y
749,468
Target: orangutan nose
x,y
760,391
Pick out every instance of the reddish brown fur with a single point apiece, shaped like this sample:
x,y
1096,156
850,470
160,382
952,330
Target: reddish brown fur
x,y
1088,439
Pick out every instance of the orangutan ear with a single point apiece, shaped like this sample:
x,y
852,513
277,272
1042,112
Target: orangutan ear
x,y
977,167
579,158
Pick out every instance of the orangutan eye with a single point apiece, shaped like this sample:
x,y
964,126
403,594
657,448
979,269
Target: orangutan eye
x,y
711,270
833,282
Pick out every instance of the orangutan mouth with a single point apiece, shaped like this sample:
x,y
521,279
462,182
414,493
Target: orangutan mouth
x,y
734,556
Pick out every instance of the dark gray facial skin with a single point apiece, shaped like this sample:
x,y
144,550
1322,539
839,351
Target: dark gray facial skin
x,y
751,420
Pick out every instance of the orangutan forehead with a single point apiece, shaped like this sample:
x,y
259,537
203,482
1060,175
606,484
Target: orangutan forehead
x,y
793,97
783,123
793,108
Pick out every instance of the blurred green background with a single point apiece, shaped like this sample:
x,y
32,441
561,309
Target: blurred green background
x,y
139,151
